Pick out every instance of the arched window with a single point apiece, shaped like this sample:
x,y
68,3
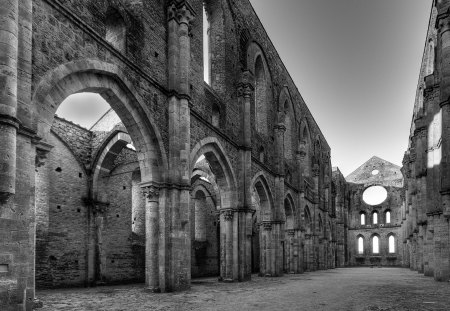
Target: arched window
x,y
115,29
261,155
260,96
288,132
375,218
360,245
215,116
430,56
206,49
388,217
214,66
391,244
376,245
363,219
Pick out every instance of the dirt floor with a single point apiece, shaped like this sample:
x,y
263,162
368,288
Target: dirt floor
x,y
367,289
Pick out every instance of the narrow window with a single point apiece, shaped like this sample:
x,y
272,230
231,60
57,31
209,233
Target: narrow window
x,y
375,218
261,96
215,117
391,244
375,245
388,217
363,219
206,50
115,30
261,154
430,61
360,245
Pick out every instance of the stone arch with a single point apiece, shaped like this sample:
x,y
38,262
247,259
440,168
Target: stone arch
x,y
221,168
107,80
320,225
260,185
116,29
103,164
360,244
305,147
287,113
205,226
430,58
289,212
257,64
362,215
308,220
375,243
262,202
198,174
392,241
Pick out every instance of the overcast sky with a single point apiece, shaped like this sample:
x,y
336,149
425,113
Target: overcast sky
x,y
356,64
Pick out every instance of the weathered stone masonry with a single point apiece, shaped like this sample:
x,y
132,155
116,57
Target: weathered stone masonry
x,y
72,195
228,178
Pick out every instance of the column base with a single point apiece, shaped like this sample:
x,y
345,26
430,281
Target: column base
x,y
153,289
5,197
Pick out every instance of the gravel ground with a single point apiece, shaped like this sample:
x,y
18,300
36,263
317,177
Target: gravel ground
x,y
367,289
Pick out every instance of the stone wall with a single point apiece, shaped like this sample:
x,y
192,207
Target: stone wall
x,y
375,172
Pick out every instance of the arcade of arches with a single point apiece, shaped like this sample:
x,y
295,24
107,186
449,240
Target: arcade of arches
x,y
209,162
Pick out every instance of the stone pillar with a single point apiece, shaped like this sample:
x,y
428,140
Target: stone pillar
x,y
420,241
428,248
226,245
9,124
151,195
175,243
99,209
245,91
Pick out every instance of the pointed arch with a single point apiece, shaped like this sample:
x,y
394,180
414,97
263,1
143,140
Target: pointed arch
x,y
221,167
307,220
289,212
360,244
287,110
257,64
304,146
104,162
116,29
430,58
260,185
107,80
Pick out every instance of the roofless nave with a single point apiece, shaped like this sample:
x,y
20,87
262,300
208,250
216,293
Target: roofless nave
x,y
185,178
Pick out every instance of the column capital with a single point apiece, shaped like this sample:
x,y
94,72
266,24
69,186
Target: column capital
x,y
150,192
290,232
315,170
245,90
227,214
181,11
279,127
42,150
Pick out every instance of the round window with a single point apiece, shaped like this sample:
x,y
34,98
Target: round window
x,y
375,195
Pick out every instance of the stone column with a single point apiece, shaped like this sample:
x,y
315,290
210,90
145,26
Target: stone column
x,y
226,245
245,91
9,124
151,195
428,248
290,249
175,243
